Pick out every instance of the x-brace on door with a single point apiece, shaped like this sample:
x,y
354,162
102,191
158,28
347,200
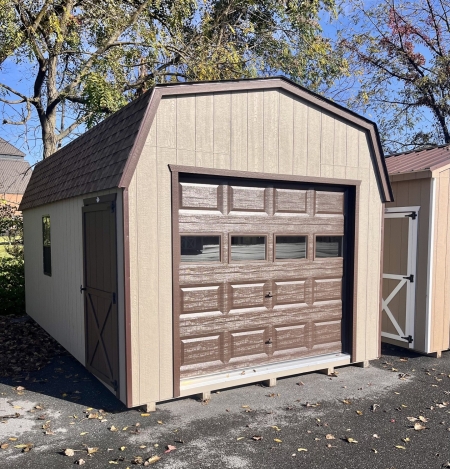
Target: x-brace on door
x,y
399,274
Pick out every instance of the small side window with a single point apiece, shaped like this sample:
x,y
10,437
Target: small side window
x,y
200,249
46,245
328,246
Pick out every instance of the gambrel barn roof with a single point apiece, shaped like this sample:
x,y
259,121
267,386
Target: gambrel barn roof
x,y
105,156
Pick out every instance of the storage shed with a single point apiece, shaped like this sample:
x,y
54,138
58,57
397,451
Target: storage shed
x,y
416,273
209,235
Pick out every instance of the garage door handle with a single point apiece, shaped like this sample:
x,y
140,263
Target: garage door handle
x,y
82,289
269,295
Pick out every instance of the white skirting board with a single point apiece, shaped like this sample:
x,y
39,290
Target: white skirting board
x,y
260,373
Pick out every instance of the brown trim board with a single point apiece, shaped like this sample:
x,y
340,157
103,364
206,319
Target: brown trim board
x,y
176,255
127,299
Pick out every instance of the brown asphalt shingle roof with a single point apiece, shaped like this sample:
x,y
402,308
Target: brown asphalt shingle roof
x,y
420,160
92,162
14,175
7,149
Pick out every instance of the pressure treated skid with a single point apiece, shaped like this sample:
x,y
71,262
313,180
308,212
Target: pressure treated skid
x,y
257,130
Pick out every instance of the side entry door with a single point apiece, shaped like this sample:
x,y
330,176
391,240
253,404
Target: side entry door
x,y
399,274
100,289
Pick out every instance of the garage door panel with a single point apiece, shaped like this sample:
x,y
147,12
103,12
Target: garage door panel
x,y
239,312
259,271
201,196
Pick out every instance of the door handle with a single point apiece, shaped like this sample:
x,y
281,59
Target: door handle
x,y
269,295
82,289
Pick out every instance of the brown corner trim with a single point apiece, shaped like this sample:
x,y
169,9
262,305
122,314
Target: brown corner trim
x,y
355,274
176,301
381,279
270,176
127,298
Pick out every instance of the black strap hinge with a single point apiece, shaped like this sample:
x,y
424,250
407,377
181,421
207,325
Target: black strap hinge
x,y
410,278
409,339
412,215
114,298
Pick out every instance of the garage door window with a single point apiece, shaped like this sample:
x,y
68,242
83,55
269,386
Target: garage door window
x,y
328,246
248,248
290,247
200,248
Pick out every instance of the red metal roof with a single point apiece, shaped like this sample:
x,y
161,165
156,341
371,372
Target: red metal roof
x,y
419,160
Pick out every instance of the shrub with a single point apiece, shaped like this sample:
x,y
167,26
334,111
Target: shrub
x,y
12,286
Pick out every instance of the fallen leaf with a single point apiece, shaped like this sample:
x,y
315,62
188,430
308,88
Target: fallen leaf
x,y
406,440
80,462
245,406
359,412
302,449
257,437
145,415
351,440
419,426
113,462
276,428
422,418
153,459
277,440
170,448
123,448
330,437
346,401
12,438
112,428
83,433
69,452
412,419
4,446
375,435
374,450
400,447
91,450
92,416
160,422
240,438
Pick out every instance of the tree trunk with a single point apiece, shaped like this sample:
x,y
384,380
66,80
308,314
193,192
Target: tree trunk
x,y
48,135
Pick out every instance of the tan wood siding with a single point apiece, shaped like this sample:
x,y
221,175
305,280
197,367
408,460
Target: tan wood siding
x,y
440,318
416,192
55,301
269,131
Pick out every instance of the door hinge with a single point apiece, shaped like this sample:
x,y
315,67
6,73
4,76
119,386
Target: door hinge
x,y
412,215
114,298
409,339
410,278
113,207
82,289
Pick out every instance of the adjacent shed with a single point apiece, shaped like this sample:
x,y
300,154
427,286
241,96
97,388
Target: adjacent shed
x,y
416,273
209,235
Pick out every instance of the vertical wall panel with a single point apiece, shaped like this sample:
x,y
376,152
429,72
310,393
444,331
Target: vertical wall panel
x,y
185,121
255,161
166,123
340,143
352,147
147,264
286,134
239,123
327,156
204,106
300,137
270,137
314,142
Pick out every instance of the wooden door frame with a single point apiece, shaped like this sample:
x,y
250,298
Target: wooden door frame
x,y
91,204
351,189
411,267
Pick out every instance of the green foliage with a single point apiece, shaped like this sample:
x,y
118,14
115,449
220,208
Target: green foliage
x,y
12,286
12,275
84,60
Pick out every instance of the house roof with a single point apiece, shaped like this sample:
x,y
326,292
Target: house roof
x,y
419,160
106,156
7,149
14,175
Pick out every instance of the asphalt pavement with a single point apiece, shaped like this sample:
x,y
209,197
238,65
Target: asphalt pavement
x,y
394,414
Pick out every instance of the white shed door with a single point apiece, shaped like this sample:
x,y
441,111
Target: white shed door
x,y
399,274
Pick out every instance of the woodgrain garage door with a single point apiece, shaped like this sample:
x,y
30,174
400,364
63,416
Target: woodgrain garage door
x,y
258,273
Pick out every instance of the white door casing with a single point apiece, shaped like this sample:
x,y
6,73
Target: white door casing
x,y
405,332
